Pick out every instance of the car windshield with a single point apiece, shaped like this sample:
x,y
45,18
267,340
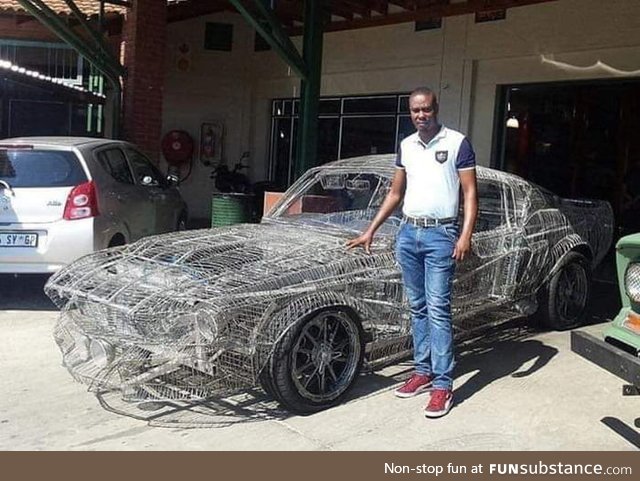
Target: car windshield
x,y
337,199
40,168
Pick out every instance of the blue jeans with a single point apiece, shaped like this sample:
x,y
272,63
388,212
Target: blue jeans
x,y
424,254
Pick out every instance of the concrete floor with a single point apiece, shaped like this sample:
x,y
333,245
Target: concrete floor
x,y
516,389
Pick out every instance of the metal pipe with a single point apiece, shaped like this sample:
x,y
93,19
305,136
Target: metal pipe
x,y
48,17
276,27
292,58
307,152
90,30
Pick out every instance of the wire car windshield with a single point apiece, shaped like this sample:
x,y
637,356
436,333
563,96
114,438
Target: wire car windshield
x,y
338,199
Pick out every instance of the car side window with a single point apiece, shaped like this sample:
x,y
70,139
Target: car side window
x,y
493,208
115,163
144,171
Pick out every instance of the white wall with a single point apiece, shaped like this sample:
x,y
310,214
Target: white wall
x,y
216,88
578,33
463,61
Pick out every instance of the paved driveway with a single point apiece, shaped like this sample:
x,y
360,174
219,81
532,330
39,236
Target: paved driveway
x,y
516,389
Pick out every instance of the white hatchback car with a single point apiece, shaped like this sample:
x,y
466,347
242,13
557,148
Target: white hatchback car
x,y
64,197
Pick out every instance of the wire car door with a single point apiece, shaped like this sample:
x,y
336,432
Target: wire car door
x,y
488,276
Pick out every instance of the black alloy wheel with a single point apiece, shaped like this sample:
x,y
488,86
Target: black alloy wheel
x,y
317,361
564,302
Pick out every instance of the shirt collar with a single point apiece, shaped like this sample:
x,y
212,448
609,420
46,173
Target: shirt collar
x,y
442,133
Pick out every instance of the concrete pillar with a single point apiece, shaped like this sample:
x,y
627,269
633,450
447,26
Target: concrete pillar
x,y
144,39
455,72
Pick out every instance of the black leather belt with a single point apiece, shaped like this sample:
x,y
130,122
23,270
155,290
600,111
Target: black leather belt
x,y
427,221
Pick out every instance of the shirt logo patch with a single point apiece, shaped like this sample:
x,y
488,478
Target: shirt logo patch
x,y
442,156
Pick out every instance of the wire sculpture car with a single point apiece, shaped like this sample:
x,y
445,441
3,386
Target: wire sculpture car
x,y
283,304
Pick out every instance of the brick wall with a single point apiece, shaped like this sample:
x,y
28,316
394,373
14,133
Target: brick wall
x,y
144,37
24,28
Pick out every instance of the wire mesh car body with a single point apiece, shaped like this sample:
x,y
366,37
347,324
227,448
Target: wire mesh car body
x,y
284,304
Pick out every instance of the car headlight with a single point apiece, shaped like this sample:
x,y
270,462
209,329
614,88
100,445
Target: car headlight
x,y
81,344
102,353
632,281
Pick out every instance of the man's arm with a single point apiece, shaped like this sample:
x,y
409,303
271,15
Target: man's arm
x,y
391,201
470,194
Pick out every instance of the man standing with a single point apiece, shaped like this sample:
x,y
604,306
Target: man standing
x,y
432,165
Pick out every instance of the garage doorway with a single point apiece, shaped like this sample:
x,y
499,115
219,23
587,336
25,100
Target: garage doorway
x,y
578,139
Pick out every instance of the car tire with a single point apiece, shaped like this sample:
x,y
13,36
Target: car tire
x,y
316,362
117,240
564,300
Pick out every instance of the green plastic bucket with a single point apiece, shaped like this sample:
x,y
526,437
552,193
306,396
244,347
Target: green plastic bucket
x,y
229,209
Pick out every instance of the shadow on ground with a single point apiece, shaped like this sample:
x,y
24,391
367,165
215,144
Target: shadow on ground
x,y
502,352
622,429
496,352
24,293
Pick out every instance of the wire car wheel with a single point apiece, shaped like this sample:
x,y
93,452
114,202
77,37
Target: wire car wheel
x,y
572,292
317,361
565,300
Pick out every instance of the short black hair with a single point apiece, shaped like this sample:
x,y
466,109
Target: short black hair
x,y
424,91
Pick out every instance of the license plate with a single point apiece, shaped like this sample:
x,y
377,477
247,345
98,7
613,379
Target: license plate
x,y
18,239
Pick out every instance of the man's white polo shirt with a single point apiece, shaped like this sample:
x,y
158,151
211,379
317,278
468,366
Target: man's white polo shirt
x,y
433,184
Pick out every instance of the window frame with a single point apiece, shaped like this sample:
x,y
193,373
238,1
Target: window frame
x,y
119,148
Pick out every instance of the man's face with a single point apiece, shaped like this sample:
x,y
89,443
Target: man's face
x,y
424,112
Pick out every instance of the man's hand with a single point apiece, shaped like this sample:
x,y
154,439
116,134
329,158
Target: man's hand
x,y
364,240
462,248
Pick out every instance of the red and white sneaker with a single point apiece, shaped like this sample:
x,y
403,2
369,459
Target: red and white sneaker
x,y
414,386
439,404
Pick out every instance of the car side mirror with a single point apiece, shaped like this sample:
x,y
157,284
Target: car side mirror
x,y
172,180
173,176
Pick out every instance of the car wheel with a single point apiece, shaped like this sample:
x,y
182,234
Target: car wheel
x,y
316,362
117,240
563,303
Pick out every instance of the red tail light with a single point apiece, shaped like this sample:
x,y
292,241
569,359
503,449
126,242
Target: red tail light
x,y
82,202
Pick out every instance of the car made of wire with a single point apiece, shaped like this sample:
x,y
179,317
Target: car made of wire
x,y
284,305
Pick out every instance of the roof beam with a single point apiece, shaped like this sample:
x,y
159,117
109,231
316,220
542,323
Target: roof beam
x,y
269,26
93,33
120,3
406,4
339,9
357,7
380,6
177,12
289,11
426,13
107,64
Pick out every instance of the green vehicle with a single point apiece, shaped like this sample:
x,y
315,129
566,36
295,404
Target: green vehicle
x,y
624,331
617,348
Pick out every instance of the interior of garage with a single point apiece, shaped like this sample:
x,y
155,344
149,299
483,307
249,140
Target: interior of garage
x,y
577,139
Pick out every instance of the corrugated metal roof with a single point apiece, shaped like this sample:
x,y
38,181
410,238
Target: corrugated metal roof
x,y
89,7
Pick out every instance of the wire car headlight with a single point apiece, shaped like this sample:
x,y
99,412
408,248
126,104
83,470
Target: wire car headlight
x,y
632,281
102,353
